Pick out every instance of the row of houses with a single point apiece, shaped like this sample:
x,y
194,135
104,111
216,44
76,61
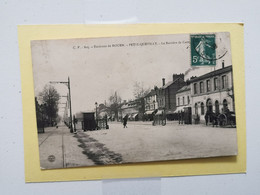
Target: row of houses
x,y
212,91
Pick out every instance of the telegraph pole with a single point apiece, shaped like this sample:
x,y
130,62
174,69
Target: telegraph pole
x,y
69,99
71,126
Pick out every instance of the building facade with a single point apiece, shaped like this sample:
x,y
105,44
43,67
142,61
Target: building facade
x,y
150,101
170,90
183,98
212,92
134,109
161,96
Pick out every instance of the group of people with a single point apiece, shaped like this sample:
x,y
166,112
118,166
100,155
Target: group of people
x,y
213,117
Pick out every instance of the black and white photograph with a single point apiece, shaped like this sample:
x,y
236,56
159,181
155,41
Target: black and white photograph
x,y
134,99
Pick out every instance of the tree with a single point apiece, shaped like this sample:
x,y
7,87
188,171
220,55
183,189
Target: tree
x,y
49,97
140,90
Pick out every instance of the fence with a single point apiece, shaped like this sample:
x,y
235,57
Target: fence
x,y
159,120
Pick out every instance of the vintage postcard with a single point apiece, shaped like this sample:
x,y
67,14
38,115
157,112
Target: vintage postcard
x,y
119,100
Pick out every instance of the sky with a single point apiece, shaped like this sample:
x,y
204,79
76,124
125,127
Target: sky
x,y
98,67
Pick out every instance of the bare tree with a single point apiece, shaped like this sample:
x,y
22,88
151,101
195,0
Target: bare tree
x,y
140,90
49,97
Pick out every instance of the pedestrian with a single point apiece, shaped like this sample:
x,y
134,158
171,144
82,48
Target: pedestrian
x,y
182,117
125,121
207,115
179,117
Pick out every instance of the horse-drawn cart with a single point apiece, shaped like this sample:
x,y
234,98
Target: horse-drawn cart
x,y
227,119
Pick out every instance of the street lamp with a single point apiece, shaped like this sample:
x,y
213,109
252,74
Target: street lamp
x,y
69,98
96,104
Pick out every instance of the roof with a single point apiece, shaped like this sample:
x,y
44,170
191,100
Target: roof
x,y
170,83
151,93
184,88
212,73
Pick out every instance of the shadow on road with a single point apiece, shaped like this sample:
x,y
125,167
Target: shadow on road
x,y
96,151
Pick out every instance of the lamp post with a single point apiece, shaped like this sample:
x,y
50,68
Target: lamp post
x,y
96,104
96,109
69,99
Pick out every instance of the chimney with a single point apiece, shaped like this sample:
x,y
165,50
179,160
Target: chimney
x,y
176,76
223,64
163,81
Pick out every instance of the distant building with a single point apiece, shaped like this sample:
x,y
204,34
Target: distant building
x,y
150,104
183,103
161,96
183,98
170,90
150,100
212,91
134,109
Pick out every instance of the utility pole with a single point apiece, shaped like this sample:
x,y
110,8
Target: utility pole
x,y
71,126
69,99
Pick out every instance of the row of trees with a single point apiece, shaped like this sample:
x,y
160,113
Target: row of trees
x,y
47,106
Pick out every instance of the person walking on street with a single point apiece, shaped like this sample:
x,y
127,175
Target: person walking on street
x,y
125,121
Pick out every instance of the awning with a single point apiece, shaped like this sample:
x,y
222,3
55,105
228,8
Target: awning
x,y
134,115
159,112
179,109
149,112
169,112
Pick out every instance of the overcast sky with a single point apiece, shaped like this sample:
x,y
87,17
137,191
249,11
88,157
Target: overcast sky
x,y
97,70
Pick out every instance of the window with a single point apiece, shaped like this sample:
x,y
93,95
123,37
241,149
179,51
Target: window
x,y
215,84
208,85
195,88
188,99
201,87
202,108
183,101
196,108
225,105
224,82
209,105
178,101
216,106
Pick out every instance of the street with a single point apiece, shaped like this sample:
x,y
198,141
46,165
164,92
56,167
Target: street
x,y
139,142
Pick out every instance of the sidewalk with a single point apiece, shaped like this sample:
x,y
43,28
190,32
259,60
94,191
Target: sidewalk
x,y
60,149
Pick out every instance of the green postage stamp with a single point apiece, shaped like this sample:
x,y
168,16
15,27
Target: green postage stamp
x,y
203,50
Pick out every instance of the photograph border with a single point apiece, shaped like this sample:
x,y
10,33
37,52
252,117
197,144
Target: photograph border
x,y
218,165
